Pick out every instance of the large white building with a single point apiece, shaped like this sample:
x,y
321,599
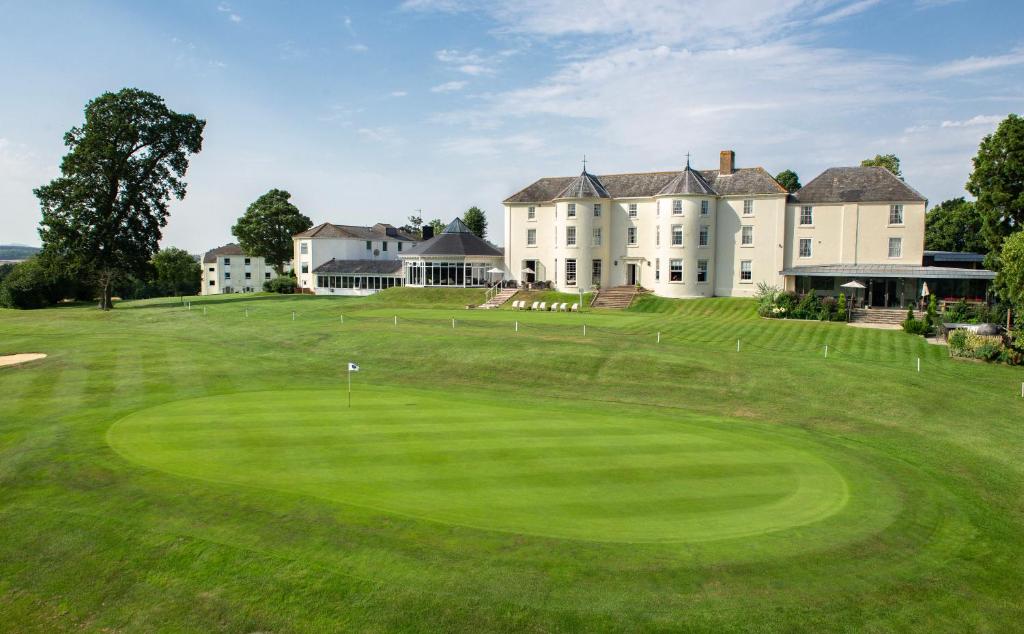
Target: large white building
x,y
228,269
335,259
720,232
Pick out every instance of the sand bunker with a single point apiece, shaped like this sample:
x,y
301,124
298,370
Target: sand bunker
x,y
15,359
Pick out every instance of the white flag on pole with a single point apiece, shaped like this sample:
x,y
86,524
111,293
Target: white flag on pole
x,y
352,367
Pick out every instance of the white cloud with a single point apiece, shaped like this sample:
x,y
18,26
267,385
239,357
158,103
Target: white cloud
x,y
449,86
383,135
846,11
970,65
399,93
930,4
468,63
358,48
981,119
224,7
493,145
347,21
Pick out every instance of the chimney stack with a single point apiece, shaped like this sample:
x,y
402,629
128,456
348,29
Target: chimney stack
x,y
428,232
726,162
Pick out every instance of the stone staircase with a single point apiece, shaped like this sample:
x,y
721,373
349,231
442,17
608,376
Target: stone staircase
x,y
615,297
499,298
881,316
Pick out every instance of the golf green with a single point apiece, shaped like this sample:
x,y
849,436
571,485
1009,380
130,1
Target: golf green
x,y
558,471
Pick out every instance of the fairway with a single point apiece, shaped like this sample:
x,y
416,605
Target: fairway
x,y
177,468
558,472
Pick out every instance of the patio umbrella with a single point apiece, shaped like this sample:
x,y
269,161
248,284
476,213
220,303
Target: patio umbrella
x,y
529,270
495,270
855,286
924,290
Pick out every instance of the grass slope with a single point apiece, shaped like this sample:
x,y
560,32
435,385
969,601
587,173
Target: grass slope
x,y
500,480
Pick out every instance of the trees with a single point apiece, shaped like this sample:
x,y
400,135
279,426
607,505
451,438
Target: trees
x,y
266,228
998,184
33,283
1011,270
789,180
414,226
437,225
890,162
176,272
476,221
954,225
105,212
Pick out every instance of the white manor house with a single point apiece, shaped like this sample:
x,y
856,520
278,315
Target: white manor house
x,y
701,233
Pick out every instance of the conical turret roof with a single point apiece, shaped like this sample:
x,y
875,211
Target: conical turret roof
x,y
456,240
688,182
585,185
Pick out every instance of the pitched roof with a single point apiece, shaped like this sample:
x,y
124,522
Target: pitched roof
x,y
744,181
378,231
228,249
857,185
688,182
955,256
890,270
456,239
360,267
584,186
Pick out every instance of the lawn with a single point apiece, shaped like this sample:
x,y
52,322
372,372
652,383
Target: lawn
x,y
681,465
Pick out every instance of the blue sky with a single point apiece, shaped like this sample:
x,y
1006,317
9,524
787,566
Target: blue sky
x,y
368,111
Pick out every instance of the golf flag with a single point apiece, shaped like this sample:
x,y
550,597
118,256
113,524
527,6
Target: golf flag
x,y
352,367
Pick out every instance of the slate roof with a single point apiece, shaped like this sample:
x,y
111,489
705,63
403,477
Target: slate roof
x,y
456,239
376,232
359,267
688,182
890,270
857,185
955,256
584,186
228,249
744,181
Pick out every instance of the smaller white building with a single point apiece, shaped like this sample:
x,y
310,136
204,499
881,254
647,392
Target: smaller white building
x,y
454,257
349,259
228,269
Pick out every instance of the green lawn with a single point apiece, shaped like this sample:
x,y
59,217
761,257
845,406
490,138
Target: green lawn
x,y
167,469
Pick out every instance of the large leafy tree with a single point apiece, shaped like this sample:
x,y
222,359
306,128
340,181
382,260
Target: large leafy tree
x,y
267,227
998,184
106,210
176,272
954,225
476,221
437,225
890,162
1011,270
414,227
789,180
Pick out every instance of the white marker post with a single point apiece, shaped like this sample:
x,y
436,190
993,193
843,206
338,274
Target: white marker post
x,y
396,321
826,350
919,364
351,368
517,325
293,315
659,336
342,317
584,330
737,345
453,323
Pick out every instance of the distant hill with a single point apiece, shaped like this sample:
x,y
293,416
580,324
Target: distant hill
x,y
17,251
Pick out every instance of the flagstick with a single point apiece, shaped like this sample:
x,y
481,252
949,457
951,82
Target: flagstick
x,y
350,388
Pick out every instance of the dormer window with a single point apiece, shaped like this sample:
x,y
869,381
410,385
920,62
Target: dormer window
x,y
571,212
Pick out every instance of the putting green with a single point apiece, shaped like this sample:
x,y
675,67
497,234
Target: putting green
x,y
558,471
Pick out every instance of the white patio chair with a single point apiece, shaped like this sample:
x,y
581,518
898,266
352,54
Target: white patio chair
x,y
575,308
543,306
563,307
535,306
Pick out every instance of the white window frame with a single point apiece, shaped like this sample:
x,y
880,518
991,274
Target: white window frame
x,y
632,236
570,236
898,242
705,207
747,231
596,271
806,216
672,270
531,237
631,210
597,210
570,278
749,272
704,237
531,213
596,237
571,210
677,207
678,235
896,215
808,242
702,267
748,207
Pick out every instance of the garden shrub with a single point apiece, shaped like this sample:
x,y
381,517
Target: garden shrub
x,y
285,285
